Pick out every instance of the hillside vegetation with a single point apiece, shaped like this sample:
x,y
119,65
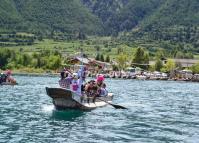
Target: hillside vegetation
x,y
168,24
46,17
173,20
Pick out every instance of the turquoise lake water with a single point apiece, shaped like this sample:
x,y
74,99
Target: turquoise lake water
x,y
158,111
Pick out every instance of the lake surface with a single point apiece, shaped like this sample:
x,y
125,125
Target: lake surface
x,y
158,111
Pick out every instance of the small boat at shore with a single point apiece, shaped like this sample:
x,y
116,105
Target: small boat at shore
x,y
67,99
141,77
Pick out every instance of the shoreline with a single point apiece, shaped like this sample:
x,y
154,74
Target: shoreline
x,y
35,74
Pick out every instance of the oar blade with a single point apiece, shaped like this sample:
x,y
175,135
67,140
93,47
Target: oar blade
x,y
119,106
115,106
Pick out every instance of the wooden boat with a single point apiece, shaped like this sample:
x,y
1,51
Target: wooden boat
x,y
8,83
64,99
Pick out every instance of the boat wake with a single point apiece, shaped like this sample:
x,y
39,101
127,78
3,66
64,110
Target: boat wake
x,y
47,108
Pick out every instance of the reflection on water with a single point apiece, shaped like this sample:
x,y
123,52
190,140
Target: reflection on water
x,y
158,111
67,115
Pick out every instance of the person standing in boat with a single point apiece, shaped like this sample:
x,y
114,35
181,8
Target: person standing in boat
x,y
62,83
81,75
74,84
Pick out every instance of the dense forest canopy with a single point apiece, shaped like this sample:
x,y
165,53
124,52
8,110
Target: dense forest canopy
x,y
171,22
66,16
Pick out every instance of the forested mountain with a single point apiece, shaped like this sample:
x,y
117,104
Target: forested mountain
x,y
45,16
174,21
121,15
9,15
171,20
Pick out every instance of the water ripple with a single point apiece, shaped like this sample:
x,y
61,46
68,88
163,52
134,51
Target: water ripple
x,y
158,111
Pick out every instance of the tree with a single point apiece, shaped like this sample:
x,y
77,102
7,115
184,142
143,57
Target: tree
x,y
158,65
97,57
195,68
122,61
141,58
54,62
102,58
179,55
160,54
26,59
97,48
107,59
5,54
170,65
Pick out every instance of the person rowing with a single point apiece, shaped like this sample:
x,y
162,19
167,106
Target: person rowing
x,y
96,88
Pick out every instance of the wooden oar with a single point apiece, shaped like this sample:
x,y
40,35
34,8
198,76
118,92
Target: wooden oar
x,y
114,105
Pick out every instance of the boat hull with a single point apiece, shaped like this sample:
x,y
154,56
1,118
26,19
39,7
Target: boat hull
x,y
8,83
66,99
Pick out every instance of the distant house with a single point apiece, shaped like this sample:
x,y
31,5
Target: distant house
x,y
91,64
185,63
80,60
104,65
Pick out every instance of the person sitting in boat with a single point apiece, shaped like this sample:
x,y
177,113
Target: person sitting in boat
x,y
3,78
103,91
91,90
101,86
100,81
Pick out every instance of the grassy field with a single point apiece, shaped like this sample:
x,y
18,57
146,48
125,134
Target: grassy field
x,y
91,46
105,45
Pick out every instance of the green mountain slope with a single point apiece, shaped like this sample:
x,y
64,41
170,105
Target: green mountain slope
x,y
9,16
67,16
175,12
167,20
173,21
121,15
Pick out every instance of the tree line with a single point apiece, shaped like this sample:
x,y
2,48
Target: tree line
x,y
11,59
141,59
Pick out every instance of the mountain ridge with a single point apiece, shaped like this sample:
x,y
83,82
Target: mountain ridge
x,y
150,19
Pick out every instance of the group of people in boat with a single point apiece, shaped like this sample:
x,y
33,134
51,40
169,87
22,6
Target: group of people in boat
x,y
6,78
76,83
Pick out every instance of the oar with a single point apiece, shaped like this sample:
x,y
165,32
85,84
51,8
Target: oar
x,y
114,105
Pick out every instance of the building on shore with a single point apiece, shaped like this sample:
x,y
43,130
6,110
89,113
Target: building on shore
x,y
184,63
93,66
